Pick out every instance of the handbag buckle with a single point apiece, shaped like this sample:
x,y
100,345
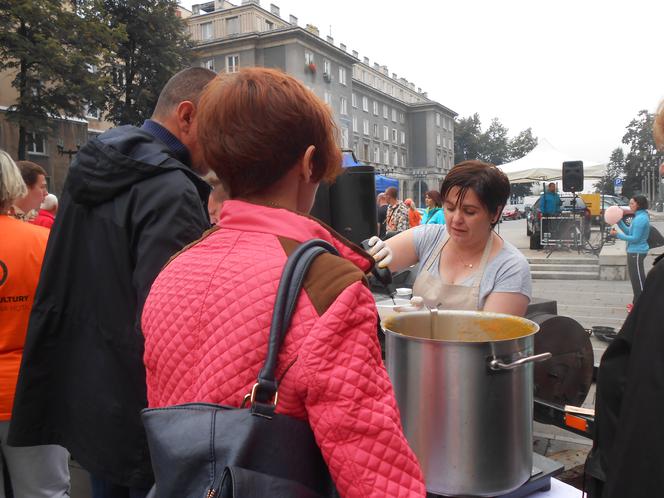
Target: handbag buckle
x,y
251,397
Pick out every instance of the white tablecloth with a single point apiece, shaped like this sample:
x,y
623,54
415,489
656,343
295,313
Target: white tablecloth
x,y
558,490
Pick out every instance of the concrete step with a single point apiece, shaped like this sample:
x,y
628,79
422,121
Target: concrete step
x,y
565,267
616,310
559,275
563,261
588,297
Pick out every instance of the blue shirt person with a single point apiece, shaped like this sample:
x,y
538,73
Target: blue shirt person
x,y
433,215
550,203
636,236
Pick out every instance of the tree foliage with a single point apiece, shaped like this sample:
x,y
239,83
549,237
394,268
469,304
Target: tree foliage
x,y
467,141
615,169
154,47
523,143
642,156
493,145
49,48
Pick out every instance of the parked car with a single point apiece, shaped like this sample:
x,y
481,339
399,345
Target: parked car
x,y
511,212
568,208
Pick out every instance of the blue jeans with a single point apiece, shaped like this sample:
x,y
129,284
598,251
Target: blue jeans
x,y
102,488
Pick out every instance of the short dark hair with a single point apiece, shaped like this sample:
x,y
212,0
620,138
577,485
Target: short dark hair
x,y
641,201
254,125
434,195
491,185
30,172
188,84
391,192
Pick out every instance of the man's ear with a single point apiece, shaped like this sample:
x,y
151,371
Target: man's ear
x,y
185,112
307,164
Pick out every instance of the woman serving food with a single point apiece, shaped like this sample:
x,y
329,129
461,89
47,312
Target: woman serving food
x,y
464,264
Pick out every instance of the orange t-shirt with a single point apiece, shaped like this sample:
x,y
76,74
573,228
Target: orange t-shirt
x,y
414,217
22,247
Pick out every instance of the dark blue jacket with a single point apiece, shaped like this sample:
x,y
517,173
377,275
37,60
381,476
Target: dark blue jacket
x,y
128,205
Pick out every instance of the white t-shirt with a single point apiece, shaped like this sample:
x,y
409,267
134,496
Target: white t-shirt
x,y
508,271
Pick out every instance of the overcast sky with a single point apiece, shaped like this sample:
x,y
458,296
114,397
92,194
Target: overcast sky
x,y
575,71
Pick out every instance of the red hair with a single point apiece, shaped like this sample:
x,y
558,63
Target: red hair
x,y
255,125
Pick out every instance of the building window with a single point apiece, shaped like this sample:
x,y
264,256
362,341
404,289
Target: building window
x,y
232,25
437,120
376,154
365,104
344,137
394,135
403,160
395,158
394,115
36,143
308,57
344,106
206,31
269,25
386,156
375,131
403,137
438,139
91,112
375,108
353,100
386,133
365,126
342,75
327,70
209,64
355,124
385,111
402,118
232,63
328,98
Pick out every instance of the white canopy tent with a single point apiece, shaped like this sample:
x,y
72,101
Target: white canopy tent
x,y
545,163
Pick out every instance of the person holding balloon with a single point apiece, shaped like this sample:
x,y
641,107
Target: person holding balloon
x,y
636,236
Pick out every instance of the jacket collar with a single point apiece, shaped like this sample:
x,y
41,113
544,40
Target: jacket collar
x,y
281,222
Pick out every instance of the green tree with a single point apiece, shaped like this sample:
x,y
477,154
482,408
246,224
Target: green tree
x,y
467,138
522,144
495,144
615,169
49,48
154,47
642,156
519,146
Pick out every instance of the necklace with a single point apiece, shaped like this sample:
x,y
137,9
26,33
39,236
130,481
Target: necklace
x,y
467,265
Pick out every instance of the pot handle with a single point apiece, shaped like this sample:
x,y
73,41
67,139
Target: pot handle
x,y
496,364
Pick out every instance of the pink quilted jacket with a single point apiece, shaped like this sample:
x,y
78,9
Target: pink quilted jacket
x,y
206,323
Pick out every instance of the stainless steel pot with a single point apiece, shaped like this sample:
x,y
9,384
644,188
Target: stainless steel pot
x,y
464,384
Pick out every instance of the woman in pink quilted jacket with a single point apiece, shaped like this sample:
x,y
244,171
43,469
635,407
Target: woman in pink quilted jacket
x,y
206,321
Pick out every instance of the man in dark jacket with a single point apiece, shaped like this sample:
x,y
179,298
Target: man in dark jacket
x,y
627,455
133,198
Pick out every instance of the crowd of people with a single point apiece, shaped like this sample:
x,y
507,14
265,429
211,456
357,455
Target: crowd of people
x,y
152,281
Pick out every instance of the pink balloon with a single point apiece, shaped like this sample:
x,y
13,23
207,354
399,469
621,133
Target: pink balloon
x,y
613,215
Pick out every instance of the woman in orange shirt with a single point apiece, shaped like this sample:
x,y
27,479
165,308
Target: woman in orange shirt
x,y
36,471
414,216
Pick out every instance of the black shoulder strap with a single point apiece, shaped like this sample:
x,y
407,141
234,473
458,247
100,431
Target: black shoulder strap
x,y
292,278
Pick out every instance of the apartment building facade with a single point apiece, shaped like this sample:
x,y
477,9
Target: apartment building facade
x,y
387,121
